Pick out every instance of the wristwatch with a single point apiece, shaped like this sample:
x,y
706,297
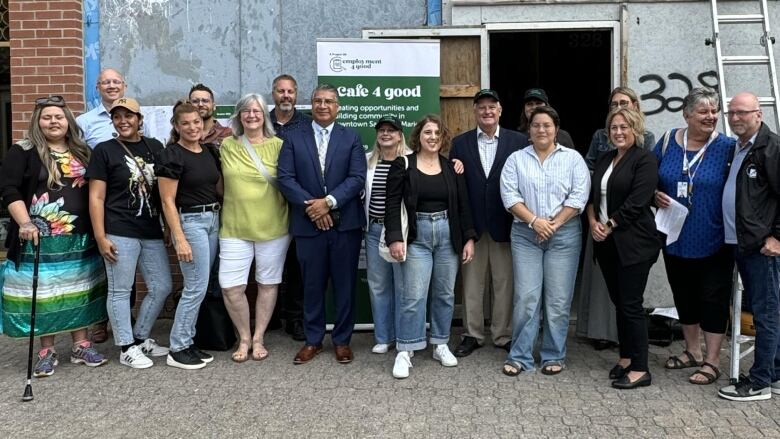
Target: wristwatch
x,y
329,202
611,223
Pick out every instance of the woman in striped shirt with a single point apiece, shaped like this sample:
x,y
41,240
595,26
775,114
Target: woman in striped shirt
x,y
390,144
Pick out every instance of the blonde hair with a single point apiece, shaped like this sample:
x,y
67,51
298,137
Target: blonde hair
x,y
376,155
74,138
635,120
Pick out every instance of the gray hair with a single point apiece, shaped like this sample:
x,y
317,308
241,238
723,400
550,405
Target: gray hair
x,y
245,101
326,87
699,95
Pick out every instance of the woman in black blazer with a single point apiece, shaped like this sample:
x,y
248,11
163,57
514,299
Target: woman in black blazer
x,y
626,240
441,236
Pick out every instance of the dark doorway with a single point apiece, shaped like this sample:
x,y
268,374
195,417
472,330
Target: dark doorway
x,y
573,67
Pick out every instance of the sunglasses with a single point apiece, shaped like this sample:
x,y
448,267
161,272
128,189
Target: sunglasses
x,y
56,100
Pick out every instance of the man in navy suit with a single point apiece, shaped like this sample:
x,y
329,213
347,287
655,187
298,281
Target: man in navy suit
x,y
484,151
321,171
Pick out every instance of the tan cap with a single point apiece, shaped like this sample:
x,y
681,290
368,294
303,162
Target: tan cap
x,y
128,103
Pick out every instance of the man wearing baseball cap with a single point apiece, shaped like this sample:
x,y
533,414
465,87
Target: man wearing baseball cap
x,y
536,97
483,152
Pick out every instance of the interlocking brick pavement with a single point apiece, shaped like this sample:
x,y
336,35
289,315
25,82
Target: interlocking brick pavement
x,y
324,399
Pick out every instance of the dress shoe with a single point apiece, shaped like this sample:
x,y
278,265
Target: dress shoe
x,y
617,372
295,328
467,346
625,384
306,354
343,354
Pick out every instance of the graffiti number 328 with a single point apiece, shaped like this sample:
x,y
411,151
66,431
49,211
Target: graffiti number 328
x,y
672,104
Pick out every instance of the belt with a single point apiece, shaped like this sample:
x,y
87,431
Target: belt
x,y
376,220
432,216
213,207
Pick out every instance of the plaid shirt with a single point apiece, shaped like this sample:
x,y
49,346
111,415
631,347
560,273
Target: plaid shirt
x,y
216,134
487,149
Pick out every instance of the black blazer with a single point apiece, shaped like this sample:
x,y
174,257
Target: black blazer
x,y
487,209
18,181
630,192
403,184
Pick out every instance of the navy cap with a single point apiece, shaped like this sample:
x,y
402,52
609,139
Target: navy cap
x,y
536,93
392,120
486,93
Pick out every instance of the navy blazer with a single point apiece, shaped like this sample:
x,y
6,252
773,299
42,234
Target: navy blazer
x,y
487,209
300,178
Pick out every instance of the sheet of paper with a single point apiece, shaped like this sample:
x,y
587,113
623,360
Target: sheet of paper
x,y
670,220
666,312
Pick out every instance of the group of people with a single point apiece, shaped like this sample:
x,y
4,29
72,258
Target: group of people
x,y
501,206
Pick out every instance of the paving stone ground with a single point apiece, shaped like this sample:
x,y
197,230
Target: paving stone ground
x,y
324,399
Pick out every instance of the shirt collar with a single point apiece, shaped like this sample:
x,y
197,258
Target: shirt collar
x,y
316,127
482,133
751,142
101,109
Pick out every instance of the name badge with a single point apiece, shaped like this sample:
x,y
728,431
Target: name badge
x,y
682,189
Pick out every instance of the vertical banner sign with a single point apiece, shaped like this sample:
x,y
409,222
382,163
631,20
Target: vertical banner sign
x,y
381,77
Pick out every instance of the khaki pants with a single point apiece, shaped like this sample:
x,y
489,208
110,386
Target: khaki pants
x,y
492,261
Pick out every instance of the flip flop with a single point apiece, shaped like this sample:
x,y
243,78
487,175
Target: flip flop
x,y
259,352
511,370
240,355
674,362
710,378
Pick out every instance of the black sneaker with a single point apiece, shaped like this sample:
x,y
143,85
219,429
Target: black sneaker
x,y
204,357
744,391
185,360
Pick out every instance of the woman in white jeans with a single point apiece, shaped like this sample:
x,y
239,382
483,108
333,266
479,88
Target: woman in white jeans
x,y
254,223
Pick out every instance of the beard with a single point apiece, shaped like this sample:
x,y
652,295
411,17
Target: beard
x,y
286,106
205,114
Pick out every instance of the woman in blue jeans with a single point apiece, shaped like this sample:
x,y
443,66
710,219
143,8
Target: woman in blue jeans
x,y
390,144
440,236
545,185
123,204
190,184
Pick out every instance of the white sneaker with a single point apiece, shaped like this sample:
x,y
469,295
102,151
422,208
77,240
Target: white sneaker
x,y
776,387
135,358
403,361
152,349
443,355
380,348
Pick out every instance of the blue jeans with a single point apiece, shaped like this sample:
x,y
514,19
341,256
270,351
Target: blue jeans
x,y
761,279
202,232
381,288
430,261
152,258
544,275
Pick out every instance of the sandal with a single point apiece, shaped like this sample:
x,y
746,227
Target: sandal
x,y
675,362
511,369
259,352
710,378
242,353
548,369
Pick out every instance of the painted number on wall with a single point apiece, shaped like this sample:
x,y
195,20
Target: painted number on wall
x,y
671,104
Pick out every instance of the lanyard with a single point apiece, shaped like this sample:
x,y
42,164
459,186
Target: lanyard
x,y
687,169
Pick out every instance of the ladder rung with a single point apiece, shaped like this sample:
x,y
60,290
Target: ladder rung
x,y
750,59
762,100
743,18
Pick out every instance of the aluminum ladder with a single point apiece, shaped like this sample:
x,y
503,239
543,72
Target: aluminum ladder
x,y
737,338
768,59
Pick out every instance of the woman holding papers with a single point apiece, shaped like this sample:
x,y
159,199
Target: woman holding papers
x,y
698,264
627,243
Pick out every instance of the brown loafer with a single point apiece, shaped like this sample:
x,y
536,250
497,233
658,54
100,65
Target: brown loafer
x,y
343,354
306,354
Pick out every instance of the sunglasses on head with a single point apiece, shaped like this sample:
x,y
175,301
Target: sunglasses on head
x,y
56,100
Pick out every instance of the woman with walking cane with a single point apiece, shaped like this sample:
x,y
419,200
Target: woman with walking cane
x,y
42,185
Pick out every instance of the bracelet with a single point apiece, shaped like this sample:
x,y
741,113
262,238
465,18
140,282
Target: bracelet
x,y
531,224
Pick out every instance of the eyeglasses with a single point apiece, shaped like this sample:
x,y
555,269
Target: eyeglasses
x,y
619,104
543,126
741,113
56,100
251,111
111,81
324,101
200,101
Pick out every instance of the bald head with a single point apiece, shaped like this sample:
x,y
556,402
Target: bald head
x,y
744,115
111,86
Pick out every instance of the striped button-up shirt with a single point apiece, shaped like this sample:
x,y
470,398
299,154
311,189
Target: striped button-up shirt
x,y
563,180
487,147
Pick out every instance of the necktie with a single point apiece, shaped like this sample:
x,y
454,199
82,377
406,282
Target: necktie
x,y
322,148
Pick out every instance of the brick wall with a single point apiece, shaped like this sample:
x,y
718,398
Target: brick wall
x,y
46,56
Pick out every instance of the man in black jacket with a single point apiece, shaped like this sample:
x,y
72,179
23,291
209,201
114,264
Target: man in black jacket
x,y
484,151
751,217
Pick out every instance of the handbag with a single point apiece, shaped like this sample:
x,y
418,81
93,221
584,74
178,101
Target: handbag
x,y
214,329
384,249
259,163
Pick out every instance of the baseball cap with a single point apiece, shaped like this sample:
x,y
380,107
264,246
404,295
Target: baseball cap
x,y
128,103
486,93
536,93
392,120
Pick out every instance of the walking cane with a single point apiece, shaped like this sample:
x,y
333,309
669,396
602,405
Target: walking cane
x,y
28,393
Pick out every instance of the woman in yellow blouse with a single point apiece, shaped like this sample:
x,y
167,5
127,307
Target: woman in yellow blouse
x,y
254,222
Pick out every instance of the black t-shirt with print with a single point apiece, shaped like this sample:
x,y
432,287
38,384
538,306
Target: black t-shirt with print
x,y
198,174
131,206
